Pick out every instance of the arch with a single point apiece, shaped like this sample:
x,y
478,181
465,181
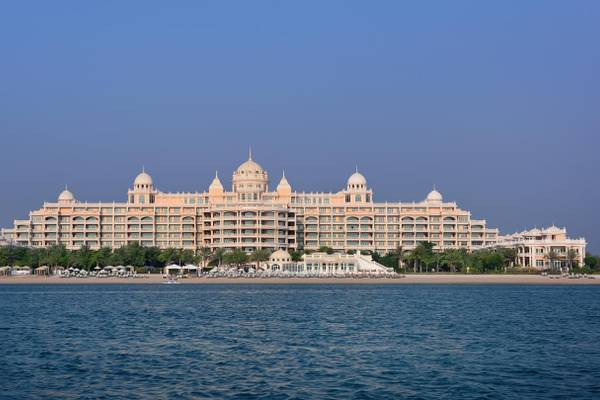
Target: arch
x,y
352,219
408,219
366,219
133,219
449,219
91,219
229,214
78,219
51,219
421,218
311,219
186,219
147,219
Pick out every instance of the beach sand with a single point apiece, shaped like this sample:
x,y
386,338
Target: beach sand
x,y
408,279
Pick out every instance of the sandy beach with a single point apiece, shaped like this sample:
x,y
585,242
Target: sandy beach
x,y
408,279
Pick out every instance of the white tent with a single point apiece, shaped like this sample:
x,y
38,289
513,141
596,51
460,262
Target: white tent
x,y
173,268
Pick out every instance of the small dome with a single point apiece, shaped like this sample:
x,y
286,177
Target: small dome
x,y
553,229
216,183
280,255
357,179
434,195
143,179
283,184
66,195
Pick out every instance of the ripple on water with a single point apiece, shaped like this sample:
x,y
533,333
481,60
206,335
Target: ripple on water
x,y
299,342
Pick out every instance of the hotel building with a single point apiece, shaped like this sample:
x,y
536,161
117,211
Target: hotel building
x,y
250,217
534,246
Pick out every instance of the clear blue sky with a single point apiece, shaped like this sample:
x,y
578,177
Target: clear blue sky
x,y
497,103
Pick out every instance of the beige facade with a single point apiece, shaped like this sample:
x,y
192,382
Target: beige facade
x,y
325,264
534,246
250,216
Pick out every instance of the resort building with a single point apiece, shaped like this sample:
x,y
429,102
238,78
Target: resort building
x,y
250,216
540,248
6,242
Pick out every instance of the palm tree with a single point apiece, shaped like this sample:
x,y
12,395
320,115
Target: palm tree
x,y
509,256
204,253
409,258
571,258
218,256
260,255
423,254
552,256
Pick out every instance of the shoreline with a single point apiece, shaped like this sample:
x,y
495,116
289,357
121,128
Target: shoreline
x,y
455,279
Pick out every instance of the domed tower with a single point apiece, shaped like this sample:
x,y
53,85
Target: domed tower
x,y
434,197
356,189
215,190
66,197
284,189
143,189
250,180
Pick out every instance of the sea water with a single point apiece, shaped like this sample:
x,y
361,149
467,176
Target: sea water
x,y
299,341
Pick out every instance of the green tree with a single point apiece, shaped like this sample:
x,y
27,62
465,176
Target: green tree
x,y
218,257
392,259
453,260
423,255
509,255
153,257
326,249
169,256
204,254
83,257
236,257
187,256
260,255
571,259
591,262
296,255
552,257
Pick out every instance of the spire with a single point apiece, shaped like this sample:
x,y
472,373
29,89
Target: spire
x,y
143,168
216,183
356,170
283,183
249,152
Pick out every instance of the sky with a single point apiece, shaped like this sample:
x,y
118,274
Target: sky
x,y
497,104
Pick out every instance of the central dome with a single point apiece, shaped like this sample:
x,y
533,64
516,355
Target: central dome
x,y
434,196
250,167
250,178
66,196
143,179
357,179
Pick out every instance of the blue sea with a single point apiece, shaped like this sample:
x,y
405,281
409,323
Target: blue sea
x,y
299,342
